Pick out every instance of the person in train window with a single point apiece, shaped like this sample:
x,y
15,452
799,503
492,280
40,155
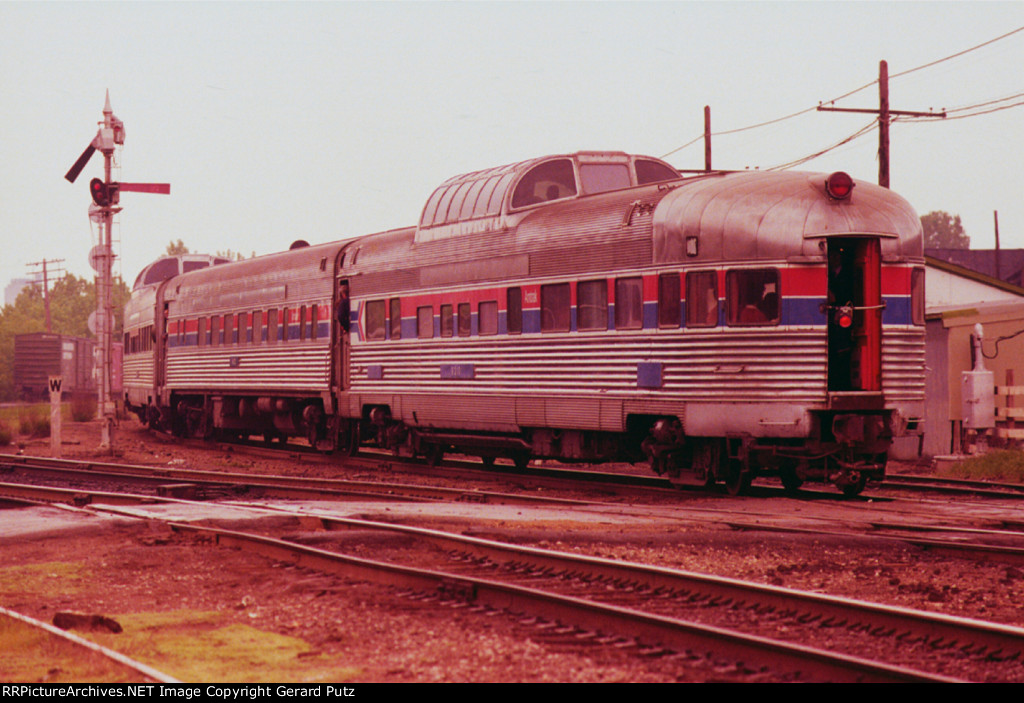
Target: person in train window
x,y
344,306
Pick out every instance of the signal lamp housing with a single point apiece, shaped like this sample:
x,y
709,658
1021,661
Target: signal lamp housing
x,y
844,316
100,192
839,185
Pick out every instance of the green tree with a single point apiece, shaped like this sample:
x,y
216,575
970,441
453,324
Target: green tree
x,y
232,255
944,231
175,248
72,300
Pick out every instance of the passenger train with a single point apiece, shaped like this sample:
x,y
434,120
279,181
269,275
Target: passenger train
x,y
588,307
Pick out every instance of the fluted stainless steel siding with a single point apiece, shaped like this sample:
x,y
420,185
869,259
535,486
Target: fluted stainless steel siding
x,y
297,368
903,372
139,376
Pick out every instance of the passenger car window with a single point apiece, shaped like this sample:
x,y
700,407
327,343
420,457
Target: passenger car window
x,y
161,270
702,299
629,303
554,307
592,305
272,320
425,322
396,318
648,171
487,317
514,320
597,178
752,297
669,309
375,319
447,321
550,180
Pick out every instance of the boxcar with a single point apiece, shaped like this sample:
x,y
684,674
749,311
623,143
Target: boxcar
x,y
39,355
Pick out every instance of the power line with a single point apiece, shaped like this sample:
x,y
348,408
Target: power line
x,y
854,92
974,110
866,129
958,54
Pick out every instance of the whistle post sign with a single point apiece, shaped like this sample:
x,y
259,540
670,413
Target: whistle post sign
x,y
54,384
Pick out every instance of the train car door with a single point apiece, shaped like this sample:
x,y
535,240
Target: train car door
x,y
343,308
855,314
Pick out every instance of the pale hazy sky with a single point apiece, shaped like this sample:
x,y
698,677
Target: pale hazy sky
x,y
321,121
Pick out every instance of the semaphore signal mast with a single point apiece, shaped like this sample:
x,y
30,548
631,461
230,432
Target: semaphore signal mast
x,y
106,195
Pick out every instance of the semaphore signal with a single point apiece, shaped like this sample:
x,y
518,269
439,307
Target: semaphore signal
x,y
106,194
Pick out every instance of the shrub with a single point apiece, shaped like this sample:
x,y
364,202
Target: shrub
x,y
83,407
6,435
34,423
1005,465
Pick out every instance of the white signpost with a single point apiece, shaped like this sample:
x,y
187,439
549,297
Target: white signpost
x,y
54,383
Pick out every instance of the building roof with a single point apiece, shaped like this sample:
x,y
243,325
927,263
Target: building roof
x,y
983,261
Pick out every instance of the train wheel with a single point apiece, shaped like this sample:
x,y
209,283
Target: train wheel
x,y
707,455
855,487
790,481
737,481
521,460
435,453
348,438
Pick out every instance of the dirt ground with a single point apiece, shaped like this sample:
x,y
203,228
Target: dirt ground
x,y
205,613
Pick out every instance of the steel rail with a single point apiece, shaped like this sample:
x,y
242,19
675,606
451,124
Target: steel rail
x,y
148,672
1003,553
282,486
954,486
315,488
933,627
672,633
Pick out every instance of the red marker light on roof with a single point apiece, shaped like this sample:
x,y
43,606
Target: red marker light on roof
x,y
839,185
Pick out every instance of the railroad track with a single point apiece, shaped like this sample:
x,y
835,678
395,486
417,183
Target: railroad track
x,y
566,477
963,540
68,656
660,608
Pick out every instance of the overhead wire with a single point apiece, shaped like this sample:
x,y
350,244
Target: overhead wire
x,y
868,128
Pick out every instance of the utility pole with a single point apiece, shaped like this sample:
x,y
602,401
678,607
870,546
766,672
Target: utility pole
x,y
46,287
707,137
106,194
884,118
995,217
